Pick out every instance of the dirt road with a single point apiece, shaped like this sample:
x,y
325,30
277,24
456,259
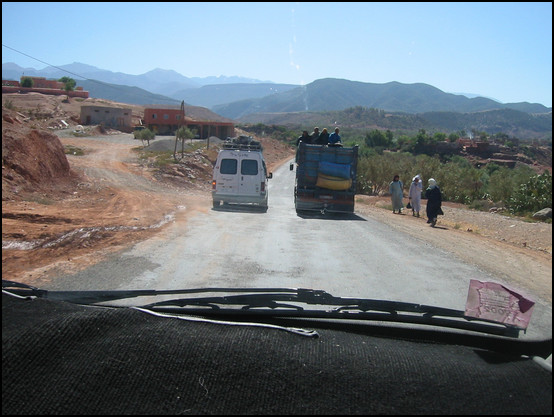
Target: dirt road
x,y
119,202
489,240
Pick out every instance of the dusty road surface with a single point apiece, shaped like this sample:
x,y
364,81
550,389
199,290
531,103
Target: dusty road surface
x,y
117,201
109,200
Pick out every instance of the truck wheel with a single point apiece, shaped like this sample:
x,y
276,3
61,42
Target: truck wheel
x,y
216,203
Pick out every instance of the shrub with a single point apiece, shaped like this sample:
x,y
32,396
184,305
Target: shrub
x,y
144,134
27,82
534,195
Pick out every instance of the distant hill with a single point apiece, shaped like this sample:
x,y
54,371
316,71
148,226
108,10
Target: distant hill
x,y
160,81
493,121
336,94
234,97
124,94
511,122
217,94
393,105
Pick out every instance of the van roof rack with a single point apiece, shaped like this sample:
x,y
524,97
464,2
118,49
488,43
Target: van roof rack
x,y
243,143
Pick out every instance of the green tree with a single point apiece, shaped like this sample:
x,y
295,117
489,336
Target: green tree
x,y
69,83
533,195
405,143
185,133
439,137
501,184
144,135
389,135
421,140
378,138
27,82
180,135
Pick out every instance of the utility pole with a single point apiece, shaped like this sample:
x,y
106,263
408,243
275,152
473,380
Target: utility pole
x,y
181,124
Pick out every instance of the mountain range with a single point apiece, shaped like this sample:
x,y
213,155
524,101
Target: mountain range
x,y
250,100
168,83
336,94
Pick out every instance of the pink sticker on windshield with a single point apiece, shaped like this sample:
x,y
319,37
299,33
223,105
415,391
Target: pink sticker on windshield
x,y
492,301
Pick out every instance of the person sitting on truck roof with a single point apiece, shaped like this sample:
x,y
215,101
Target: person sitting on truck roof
x,y
334,138
323,137
315,135
304,138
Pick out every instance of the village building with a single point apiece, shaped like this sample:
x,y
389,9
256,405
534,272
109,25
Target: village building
x,y
43,86
119,118
166,121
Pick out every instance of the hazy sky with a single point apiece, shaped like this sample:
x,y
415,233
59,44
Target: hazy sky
x,y
498,50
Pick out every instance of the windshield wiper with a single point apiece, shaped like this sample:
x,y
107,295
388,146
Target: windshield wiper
x,y
309,303
278,302
102,296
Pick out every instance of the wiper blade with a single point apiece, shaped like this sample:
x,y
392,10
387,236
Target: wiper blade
x,y
283,297
295,302
79,297
102,296
282,302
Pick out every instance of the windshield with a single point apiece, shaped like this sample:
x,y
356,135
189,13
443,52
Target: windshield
x,y
375,152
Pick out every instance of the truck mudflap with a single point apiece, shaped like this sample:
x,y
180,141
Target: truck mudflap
x,y
324,201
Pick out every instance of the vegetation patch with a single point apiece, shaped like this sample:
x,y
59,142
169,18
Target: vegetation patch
x,y
73,150
475,180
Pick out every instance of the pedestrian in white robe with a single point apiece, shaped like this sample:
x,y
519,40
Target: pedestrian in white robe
x,y
396,194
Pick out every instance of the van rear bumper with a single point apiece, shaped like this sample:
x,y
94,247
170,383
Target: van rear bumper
x,y
260,199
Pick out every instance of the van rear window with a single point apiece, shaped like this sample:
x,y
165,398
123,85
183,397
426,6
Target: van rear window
x,y
249,167
228,166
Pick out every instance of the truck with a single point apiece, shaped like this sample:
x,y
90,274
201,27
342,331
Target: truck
x,y
325,178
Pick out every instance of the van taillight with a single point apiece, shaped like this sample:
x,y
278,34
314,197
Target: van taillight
x,y
263,186
213,185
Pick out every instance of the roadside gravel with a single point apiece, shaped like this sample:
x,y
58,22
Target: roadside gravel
x,y
512,230
514,251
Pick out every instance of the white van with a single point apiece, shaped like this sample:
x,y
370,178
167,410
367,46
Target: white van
x,y
240,175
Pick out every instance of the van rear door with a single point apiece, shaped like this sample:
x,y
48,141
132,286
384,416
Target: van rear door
x,y
249,183
228,180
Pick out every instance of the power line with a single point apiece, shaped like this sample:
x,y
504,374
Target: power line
x,y
85,78
61,69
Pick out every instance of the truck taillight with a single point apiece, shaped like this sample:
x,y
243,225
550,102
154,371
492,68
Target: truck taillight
x,y
263,186
213,185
